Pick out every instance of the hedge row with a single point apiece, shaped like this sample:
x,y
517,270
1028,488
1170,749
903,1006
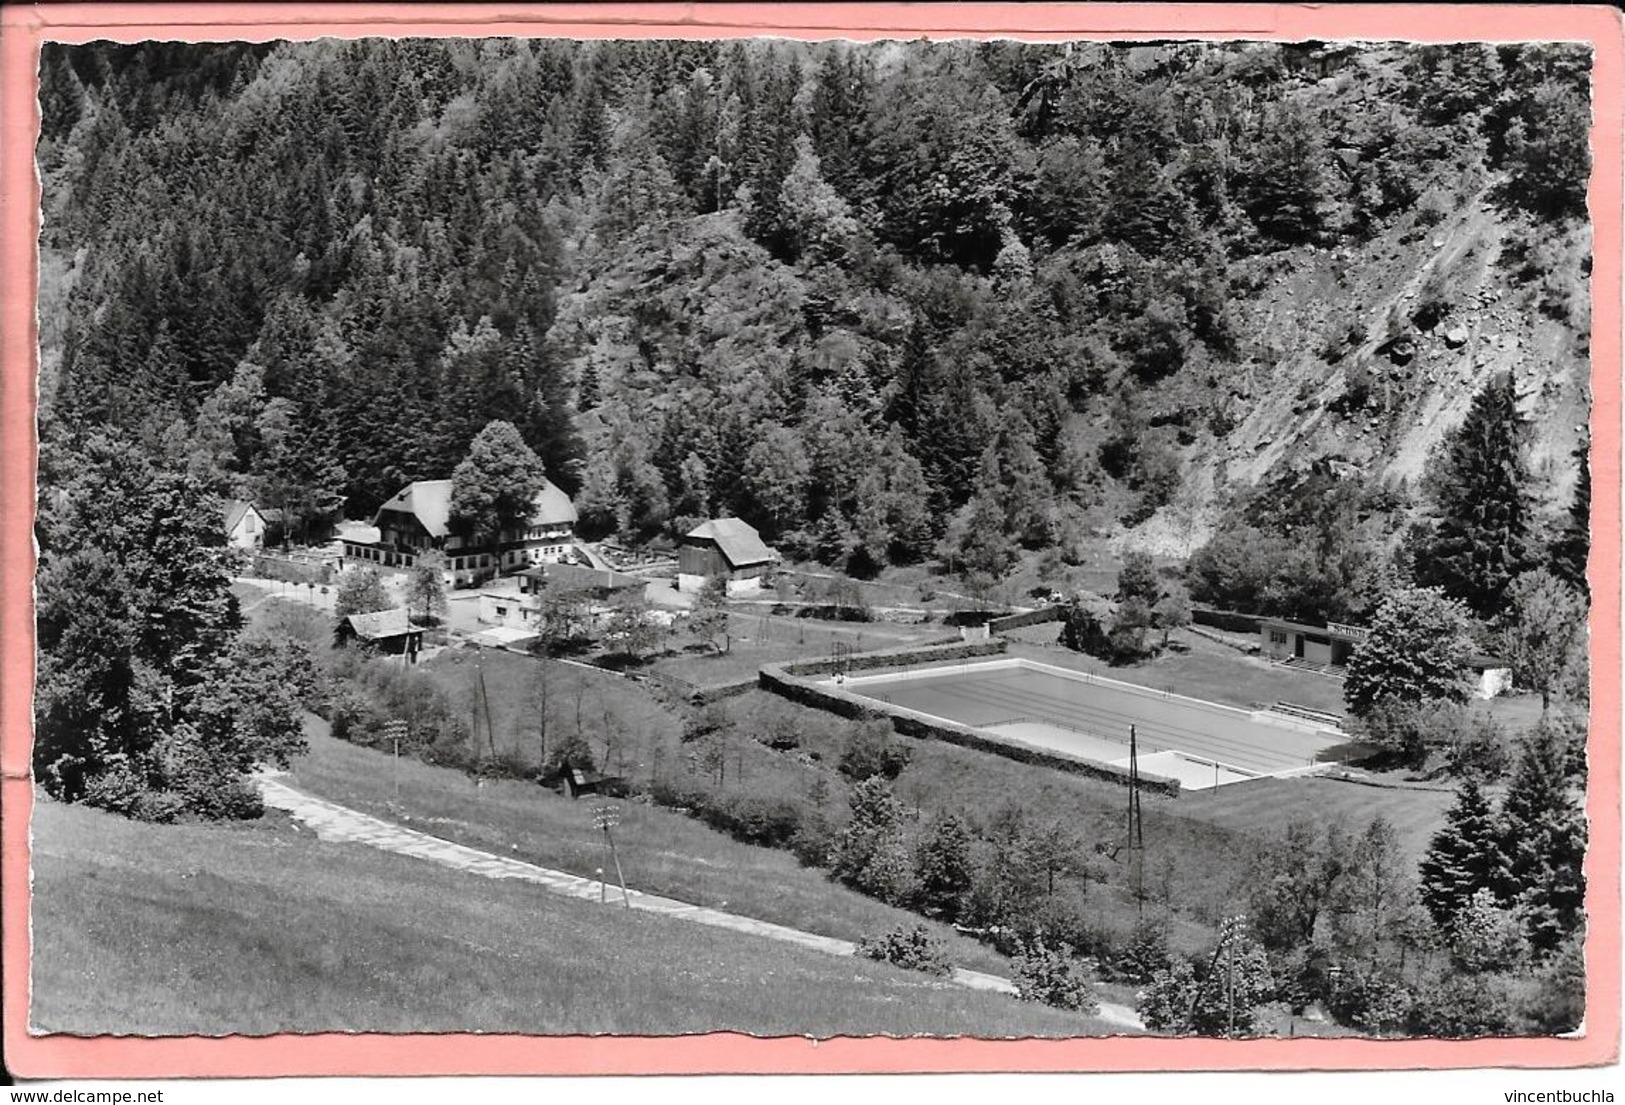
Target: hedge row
x,y
1031,617
1230,621
896,658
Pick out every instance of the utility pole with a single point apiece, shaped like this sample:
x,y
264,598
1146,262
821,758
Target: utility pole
x,y
1136,823
396,732
606,817
1230,984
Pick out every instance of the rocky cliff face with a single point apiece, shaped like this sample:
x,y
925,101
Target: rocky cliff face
x,y
1364,358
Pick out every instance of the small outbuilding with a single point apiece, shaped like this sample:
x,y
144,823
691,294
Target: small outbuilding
x,y
1312,646
390,632
1492,676
726,547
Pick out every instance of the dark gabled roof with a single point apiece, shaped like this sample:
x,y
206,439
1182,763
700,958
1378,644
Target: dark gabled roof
x,y
382,624
429,501
739,543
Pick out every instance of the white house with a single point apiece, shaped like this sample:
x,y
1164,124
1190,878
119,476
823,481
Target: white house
x,y
418,518
245,525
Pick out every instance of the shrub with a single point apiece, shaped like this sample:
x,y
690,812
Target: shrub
x,y
120,789
813,841
1053,976
1368,1001
913,949
1457,1006
1145,954
872,750
751,818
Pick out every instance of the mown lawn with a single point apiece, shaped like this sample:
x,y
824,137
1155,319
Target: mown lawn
x,y
1267,806
1208,671
1218,673
258,928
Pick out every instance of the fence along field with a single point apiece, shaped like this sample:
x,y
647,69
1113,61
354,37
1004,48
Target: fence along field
x,y
1201,743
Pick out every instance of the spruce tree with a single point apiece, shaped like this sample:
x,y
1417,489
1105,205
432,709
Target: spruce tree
x,y
1481,500
1466,856
1544,839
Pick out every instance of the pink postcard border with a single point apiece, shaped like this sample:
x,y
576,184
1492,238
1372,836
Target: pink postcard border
x,y
23,28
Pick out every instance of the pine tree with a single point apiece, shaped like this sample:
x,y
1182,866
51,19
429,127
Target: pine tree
x,y
1481,500
1544,838
1465,856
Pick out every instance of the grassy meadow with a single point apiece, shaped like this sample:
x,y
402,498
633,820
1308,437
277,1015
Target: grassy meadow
x,y
258,928
662,851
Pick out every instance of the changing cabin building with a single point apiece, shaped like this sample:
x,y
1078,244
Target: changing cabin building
x,y
1325,646
725,547
418,518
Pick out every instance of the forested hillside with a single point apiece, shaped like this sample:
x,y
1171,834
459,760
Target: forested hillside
x,y
865,297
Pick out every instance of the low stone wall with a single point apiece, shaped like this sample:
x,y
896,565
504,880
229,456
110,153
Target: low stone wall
x,y
1043,614
790,681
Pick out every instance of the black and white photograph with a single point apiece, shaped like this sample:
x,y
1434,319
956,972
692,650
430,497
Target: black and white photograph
x,y
946,538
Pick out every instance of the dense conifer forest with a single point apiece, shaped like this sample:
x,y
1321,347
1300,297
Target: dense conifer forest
x,y
864,297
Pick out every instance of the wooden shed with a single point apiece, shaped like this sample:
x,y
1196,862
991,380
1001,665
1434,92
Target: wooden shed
x,y
388,631
725,547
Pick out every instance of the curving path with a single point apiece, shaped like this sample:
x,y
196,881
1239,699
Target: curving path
x,y
340,823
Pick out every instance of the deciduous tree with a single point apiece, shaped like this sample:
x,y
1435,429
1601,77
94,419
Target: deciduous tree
x,y
494,488
361,591
1544,633
1416,650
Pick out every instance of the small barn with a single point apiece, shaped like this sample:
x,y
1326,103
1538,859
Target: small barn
x,y
388,631
725,547
1311,646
